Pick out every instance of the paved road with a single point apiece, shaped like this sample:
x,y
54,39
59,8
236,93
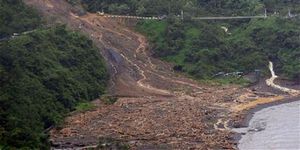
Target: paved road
x,y
224,18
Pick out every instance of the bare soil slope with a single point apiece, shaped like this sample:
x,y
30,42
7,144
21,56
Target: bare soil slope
x,y
156,109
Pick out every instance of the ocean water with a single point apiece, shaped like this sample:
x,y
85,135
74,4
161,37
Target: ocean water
x,y
273,128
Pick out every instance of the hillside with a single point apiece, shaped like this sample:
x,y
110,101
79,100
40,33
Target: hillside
x,y
155,108
44,74
12,22
202,48
54,70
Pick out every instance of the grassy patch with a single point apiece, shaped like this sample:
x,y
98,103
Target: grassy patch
x,y
85,106
193,32
154,30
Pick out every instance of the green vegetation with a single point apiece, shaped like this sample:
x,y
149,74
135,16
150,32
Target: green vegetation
x,y
191,7
49,72
84,106
15,17
202,48
43,75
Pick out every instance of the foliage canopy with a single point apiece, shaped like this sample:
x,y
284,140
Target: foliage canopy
x,y
43,75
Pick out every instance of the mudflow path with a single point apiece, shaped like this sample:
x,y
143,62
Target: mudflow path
x,y
156,109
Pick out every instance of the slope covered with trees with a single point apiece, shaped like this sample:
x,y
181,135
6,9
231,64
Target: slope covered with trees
x,y
197,7
202,48
43,75
16,18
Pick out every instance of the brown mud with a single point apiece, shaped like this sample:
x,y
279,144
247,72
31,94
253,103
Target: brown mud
x,y
156,108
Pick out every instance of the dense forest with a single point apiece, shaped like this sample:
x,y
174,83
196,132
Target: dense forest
x,y
203,48
196,7
16,18
43,75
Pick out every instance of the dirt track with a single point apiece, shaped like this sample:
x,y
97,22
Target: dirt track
x,y
157,108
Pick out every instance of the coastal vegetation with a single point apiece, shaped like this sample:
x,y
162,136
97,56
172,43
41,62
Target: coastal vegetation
x,y
44,74
203,48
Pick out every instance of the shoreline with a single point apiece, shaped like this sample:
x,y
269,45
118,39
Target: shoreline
x,y
248,114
